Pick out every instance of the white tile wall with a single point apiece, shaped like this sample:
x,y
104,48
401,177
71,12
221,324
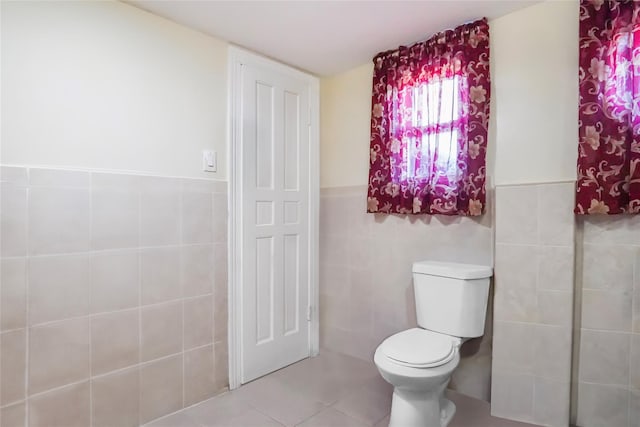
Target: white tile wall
x,y
533,303
112,296
603,405
608,372
366,281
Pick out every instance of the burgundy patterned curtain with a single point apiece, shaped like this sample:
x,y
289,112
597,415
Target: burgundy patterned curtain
x,y
429,120
609,114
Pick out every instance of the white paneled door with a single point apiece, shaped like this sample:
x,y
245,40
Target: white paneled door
x,y
276,229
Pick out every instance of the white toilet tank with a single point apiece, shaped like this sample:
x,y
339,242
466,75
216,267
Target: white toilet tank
x,y
451,298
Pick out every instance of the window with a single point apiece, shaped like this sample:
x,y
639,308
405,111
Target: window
x,y
435,118
429,124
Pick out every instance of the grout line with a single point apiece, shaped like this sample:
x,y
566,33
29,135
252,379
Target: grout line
x,y
139,264
630,367
537,183
27,352
1,289
557,291
185,409
1,314
609,331
14,403
544,325
89,294
115,371
333,406
180,285
578,288
536,245
94,252
104,313
537,288
517,322
60,387
147,362
255,408
619,386
110,171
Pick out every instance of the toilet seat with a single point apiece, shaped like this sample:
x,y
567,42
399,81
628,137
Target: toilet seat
x,y
419,348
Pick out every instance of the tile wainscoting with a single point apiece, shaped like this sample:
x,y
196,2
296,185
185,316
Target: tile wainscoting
x,y
533,313
608,376
543,254
366,291
113,296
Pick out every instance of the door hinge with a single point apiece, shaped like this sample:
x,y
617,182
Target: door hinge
x,y
309,311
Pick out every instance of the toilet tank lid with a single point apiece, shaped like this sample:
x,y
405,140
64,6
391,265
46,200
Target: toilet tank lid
x,y
453,270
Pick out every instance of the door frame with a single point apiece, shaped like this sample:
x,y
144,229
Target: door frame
x,y
238,56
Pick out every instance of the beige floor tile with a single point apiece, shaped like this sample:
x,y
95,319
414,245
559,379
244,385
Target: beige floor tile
x,y
326,378
469,411
276,400
332,418
369,403
179,419
219,409
252,418
293,396
472,412
501,422
383,422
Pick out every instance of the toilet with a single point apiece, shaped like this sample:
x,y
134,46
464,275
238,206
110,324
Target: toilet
x,y
451,303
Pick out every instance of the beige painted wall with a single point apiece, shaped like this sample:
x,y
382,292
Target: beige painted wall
x,y
345,111
109,86
533,130
534,55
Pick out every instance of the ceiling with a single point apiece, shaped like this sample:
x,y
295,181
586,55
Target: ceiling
x,y
326,37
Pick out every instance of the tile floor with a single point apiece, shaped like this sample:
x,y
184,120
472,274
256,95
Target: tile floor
x,y
331,390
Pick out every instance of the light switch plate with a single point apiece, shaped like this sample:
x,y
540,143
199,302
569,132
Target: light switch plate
x,y
209,161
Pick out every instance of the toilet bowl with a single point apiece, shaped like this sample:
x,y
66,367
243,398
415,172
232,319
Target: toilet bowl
x,y
451,302
419,371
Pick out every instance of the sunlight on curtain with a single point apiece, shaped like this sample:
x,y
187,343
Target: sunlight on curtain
x,y
429,124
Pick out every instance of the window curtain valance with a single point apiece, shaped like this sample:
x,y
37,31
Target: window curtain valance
x,y
429,122
609,110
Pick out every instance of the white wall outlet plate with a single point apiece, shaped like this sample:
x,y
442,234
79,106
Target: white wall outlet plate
x,y
209,161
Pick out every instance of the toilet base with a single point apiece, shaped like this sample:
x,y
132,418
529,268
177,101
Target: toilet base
x,y
420,409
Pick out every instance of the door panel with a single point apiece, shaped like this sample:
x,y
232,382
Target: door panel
x,y
264,290
264,135
291,284
275,225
